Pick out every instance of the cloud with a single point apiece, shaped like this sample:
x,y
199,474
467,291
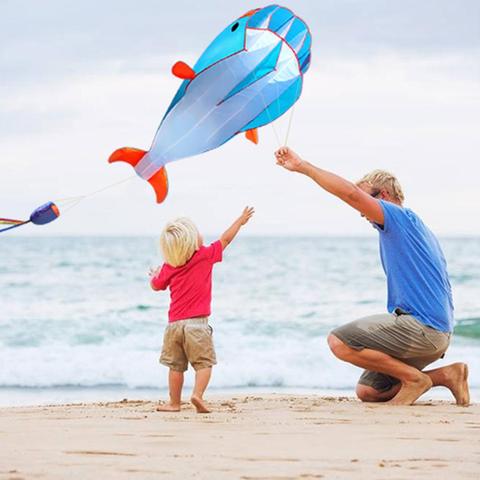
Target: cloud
x,y
39,42
416,115
393,85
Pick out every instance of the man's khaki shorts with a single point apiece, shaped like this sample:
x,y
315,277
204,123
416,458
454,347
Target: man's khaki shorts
x,y
188,341
399,335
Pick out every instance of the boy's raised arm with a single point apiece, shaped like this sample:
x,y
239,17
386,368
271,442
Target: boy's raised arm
x,y
232,231
157,281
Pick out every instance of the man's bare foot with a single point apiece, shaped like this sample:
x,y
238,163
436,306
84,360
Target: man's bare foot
x,y
456,380
199,404
168,407
410,391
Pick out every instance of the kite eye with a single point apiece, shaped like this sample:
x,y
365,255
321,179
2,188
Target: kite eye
x,y
234,27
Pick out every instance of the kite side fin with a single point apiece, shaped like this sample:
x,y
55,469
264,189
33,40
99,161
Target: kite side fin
x,y
128,155
183,71
159,182
252,135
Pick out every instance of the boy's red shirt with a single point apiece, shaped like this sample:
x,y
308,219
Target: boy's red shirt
x,y
191,284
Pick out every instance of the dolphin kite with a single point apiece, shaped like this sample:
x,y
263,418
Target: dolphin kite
x,y
250,75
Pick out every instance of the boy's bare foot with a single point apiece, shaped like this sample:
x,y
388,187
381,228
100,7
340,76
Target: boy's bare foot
x,y
456,380
168,407
199,404
410,391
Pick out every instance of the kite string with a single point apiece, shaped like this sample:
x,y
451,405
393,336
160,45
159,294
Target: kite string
x,y
71,202
292,112
109,186
289,126
277,136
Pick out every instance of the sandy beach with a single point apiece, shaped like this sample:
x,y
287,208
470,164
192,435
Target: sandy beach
x,y
246,437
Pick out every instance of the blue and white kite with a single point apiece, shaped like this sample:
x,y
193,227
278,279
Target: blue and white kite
x,y
250,75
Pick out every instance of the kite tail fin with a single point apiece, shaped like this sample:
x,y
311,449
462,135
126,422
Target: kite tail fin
x,y
127,154
159,180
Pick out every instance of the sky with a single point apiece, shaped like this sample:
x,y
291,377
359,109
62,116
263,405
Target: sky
x,y
392,85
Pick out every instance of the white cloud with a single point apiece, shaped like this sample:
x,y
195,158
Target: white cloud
x,y
417,116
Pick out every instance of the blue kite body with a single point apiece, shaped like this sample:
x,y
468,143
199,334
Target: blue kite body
x,y
249,76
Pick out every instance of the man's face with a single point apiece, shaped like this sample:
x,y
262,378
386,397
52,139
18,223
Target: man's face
x,y
373,192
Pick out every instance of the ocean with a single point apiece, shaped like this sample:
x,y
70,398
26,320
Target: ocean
x,y
78,321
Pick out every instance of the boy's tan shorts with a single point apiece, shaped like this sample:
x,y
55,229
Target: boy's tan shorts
x,y
399,335
188,341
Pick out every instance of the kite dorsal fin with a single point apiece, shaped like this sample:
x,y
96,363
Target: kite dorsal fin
x,y
183,71
252,135
127,154
159,182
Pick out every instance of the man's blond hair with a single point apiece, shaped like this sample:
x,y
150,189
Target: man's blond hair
x,y
179,241
383,180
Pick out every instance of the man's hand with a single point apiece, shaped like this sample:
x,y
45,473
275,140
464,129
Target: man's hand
x,y
246,215
334,184
288,159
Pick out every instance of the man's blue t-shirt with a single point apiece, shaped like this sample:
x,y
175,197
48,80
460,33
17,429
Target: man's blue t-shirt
x,y
417,278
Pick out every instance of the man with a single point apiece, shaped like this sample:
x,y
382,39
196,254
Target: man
x,y
394,348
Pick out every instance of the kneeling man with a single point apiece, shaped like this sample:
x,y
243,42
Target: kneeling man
x,y
394,348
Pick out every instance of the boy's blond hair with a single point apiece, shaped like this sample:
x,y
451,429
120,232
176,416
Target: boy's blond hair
x,y
384,180
179,241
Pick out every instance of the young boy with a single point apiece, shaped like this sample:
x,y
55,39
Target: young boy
x,y
187,271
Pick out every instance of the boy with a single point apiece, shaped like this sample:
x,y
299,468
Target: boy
x,y
187,271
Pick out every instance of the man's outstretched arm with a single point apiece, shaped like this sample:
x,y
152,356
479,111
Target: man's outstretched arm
x,y
338,186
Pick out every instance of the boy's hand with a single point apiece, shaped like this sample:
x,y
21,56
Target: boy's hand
x,y
288,159
153,271
246,215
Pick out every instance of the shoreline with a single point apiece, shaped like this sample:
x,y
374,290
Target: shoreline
x,y
274,436
46,396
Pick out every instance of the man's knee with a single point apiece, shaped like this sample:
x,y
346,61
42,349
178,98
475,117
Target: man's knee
x,y
367,394
338,348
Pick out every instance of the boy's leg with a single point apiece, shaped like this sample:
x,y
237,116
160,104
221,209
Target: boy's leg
x,y
175,359
175,384
202,377
201,354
